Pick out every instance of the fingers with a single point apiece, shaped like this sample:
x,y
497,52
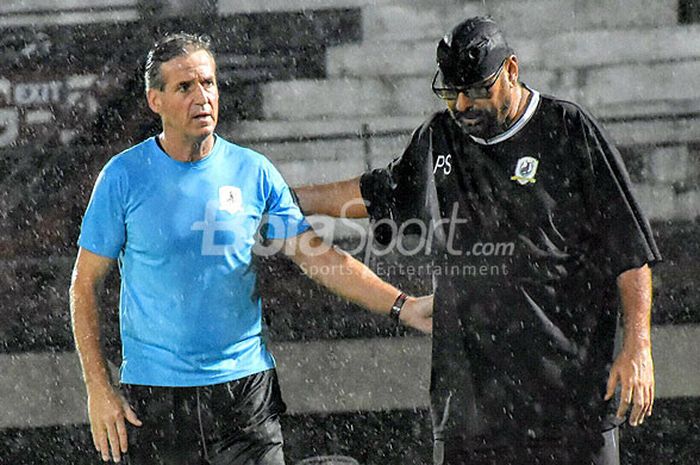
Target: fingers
x,y
642,400
639,397
113,437
635,374
612,382
646,402
422,324
625,400
130,415
102,443
95,438
109,432
639,406
122,436
418,314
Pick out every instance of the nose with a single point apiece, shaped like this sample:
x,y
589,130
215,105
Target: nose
x,y
463,103
201,96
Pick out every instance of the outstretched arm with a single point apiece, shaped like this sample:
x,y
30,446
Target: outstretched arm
x,y
634,368
337,199
107,409
348,278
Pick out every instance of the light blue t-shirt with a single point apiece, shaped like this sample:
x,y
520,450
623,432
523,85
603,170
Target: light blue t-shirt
x,y
183,234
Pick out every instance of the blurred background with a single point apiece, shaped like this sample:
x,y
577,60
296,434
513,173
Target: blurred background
x,y
326,89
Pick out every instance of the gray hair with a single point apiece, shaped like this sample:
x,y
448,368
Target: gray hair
x,y
169,47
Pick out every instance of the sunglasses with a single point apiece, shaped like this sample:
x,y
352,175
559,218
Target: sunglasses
x,y
479,91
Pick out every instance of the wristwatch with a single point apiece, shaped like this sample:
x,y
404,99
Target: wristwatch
x,y
395,311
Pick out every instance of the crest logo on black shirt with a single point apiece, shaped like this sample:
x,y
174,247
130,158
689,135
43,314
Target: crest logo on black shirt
x,y
525,170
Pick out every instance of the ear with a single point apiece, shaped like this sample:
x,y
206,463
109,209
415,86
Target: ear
x,y
513,69
153,96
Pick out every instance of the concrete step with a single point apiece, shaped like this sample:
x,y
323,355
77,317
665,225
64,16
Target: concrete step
x,y
626,13
379,58
411,21
579,49
534,17
402,58
662,203
671,131
602,47
318,161
331,159
298,131
632,83
230,7
406,21
649,109
350,97
675,165
549,17
344,98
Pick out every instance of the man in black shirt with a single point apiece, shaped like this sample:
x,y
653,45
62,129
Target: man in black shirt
x,y
527,212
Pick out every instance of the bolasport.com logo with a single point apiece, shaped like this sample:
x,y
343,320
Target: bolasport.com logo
x,y
412,239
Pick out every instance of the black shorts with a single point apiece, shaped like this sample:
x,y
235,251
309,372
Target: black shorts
x,y
235,423
537,453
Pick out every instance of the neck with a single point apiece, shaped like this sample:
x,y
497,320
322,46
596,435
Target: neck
x,y
186,150
519,99
511,112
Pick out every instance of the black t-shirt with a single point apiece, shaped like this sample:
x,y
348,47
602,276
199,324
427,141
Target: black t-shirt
x,y
527,233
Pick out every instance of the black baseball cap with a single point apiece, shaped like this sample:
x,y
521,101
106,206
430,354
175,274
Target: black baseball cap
x,y
472,51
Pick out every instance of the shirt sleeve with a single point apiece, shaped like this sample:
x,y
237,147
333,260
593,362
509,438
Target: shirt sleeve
x,y
103,230
284,218
399,192
620,227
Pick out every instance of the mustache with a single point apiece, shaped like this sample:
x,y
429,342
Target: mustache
x,y
470,114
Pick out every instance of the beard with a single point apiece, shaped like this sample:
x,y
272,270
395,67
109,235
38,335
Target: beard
x,y
484,123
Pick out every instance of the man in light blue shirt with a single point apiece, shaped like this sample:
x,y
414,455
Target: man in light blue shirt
x,y
191,228
180,213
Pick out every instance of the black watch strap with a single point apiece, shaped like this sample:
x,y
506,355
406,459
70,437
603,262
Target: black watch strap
x,y
395,311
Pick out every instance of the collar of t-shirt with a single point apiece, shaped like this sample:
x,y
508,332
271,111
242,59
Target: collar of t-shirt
x,y
160,146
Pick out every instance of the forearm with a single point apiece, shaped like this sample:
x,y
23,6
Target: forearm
x,y
337,199
349,279
635,296
86,332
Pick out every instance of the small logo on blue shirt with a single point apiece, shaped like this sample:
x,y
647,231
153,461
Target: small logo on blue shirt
x,y
230,199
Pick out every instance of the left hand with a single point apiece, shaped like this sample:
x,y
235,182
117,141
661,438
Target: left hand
x,y
417,313
634,370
